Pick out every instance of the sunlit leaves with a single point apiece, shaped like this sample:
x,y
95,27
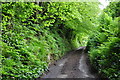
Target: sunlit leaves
x,y
31,32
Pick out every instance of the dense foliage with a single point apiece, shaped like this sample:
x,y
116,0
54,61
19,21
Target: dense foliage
x,y
113,9
104,43
26,41
32,31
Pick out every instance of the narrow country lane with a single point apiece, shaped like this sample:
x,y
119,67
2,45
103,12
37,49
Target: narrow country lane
x,y
73,65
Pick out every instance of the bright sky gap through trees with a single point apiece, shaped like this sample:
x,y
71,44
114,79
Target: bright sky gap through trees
x,y
103,4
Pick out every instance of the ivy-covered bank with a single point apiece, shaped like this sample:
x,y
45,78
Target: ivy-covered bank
x,y
34,33
104,44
